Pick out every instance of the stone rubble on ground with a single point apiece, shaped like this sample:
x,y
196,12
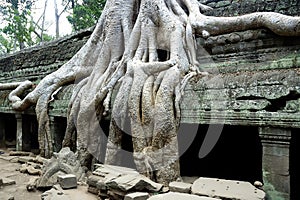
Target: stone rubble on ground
x,y
116,182
121,183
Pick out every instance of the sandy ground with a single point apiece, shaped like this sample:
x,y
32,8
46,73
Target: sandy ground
x,y
8,169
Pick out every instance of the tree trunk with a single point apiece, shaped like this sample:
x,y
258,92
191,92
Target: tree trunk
x,y
124,54
56,19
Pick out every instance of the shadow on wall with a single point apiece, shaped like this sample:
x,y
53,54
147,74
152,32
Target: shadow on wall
x,y
236,156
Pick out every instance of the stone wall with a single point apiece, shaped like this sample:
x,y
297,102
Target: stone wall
x,y
36,62
240,7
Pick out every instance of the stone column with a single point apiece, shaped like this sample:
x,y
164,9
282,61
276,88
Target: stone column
x,y
275,162
19,140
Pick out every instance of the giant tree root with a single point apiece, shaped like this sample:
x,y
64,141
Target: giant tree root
x,y
147,48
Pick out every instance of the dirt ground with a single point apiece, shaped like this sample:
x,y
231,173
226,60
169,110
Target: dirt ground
x,y
8,169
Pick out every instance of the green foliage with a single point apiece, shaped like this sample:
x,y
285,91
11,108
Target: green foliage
x,y
86,13
46,38
18,26
5,45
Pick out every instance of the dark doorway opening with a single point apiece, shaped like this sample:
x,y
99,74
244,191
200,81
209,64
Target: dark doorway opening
x,y
30,133
59,126
294,164
237,155
9,130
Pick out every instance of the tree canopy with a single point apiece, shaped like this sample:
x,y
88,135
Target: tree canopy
x,y
16,33
85,13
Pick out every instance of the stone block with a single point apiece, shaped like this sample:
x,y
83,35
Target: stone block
x,y
181,196
180,187
137,196
25,159
227,189
67,181
6,182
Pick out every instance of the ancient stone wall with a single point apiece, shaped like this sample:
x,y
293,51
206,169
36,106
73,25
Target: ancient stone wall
x,y
36,62
240,7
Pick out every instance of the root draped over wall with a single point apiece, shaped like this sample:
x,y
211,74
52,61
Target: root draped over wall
x,y
125,50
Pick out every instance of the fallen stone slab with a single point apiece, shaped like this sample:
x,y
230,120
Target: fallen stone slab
x,y
19,153
111,171
135,182
67,181
25,159
180,187
6,181
227,189
137,196
181,196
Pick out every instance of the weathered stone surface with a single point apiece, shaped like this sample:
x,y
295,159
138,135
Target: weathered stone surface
x,y
25,159
181,196
6,181
41,160
54,194
19,153
31,168
31,185
180,187
137,196
67,181
220,188
239,7
133,182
